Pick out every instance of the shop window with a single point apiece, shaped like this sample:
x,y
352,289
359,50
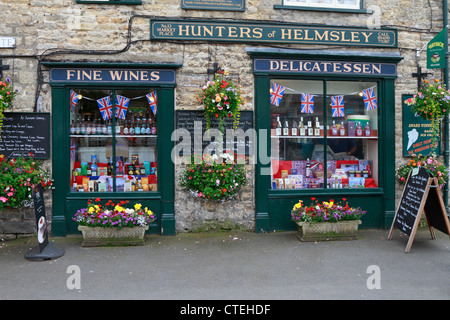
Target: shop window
x,y
113,140
324,134
333,4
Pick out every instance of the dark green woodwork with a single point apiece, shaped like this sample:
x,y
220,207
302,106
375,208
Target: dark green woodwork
x,y
66,203
273,207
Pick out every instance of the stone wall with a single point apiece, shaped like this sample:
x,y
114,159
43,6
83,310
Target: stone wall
x,y
62,30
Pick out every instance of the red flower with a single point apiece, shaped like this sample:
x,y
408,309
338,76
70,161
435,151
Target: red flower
x,y
97,200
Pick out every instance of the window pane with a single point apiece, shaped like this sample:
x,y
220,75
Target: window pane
x,y
136,144
303,156
116,153
352,135
90,139
297,135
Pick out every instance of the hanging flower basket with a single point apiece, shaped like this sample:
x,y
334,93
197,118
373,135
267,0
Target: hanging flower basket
x,y
215,178
432,102
221,99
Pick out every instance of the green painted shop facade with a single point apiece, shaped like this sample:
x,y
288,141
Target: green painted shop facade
x,y
324,73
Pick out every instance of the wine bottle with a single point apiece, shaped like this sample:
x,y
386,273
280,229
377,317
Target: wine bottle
x,y
294,129
317,127
278,129
301,128
286,128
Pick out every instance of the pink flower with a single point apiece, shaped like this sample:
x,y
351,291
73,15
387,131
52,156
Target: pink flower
x,y
10,194
3,199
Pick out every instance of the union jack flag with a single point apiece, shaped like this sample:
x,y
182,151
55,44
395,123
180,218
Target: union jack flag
x,y
72,149
121,106
152,101
370,101
307,103
105,106
276,94
73,100
337,106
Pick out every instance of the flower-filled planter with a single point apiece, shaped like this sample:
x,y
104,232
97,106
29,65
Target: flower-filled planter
x,y
113,224
215,178
432,164
221,99
326,221
432,102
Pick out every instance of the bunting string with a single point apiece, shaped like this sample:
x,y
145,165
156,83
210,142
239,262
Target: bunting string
x,y
337,102
121,104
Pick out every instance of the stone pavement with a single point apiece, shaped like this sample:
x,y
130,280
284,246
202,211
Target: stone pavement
x,y
233,266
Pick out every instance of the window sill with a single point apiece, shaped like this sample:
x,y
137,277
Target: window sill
x,y
364,11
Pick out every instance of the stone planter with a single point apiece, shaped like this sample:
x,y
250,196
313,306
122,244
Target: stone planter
x,y
127,236
324,231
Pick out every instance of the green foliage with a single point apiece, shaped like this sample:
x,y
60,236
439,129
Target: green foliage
x,y
7,94
214,178
432,164
18,177
220,99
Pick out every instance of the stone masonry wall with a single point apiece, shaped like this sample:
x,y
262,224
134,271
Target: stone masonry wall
x,y
62,30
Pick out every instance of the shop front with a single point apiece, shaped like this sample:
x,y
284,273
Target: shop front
x,y
329,119
111,129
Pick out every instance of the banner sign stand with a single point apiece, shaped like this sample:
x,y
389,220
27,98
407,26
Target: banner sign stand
x,y
420,194
44,250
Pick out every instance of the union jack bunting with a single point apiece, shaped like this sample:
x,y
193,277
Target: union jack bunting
x,y
337,106
105,106
370,101
73,100
307,103
72,149
121,106
276,94
152,101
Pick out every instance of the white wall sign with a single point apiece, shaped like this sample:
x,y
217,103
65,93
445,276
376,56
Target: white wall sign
x,y
7,42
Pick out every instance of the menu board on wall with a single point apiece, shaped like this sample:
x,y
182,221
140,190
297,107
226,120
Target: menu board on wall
x,y
195,124
24,133
416,132
226,5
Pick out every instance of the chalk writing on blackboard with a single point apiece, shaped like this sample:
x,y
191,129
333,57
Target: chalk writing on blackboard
x,y
24,133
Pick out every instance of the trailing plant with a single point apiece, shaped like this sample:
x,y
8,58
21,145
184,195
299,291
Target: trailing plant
x,y
7,94
431,163
18,177
216,178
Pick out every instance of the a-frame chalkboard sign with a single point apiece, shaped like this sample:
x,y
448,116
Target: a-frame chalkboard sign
x,y
420,194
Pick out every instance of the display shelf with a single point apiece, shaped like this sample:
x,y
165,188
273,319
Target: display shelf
x,y
110,136
329,137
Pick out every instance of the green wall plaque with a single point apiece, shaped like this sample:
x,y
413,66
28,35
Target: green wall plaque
x,y
225,5
416,132
261,32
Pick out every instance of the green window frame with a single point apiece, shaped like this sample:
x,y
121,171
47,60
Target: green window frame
x,y
324,5
109,2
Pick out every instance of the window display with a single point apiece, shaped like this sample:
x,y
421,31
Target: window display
x,y
113,145
313,146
